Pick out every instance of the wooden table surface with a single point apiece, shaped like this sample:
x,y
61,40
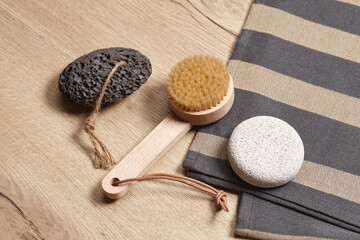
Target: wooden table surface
x,y
49,188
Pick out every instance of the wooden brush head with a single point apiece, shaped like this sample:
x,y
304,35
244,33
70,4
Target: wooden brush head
x,y
200,90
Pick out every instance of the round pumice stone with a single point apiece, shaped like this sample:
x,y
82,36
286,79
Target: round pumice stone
x,y
265,151
82,80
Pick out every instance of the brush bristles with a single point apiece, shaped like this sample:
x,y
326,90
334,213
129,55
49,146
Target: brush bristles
x,y
198,83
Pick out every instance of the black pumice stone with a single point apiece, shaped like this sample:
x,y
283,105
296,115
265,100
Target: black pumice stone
x,y
82,80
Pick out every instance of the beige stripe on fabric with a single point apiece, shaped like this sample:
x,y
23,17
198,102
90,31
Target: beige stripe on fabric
x,y
316,176
303,32
296,93
272,236
210,145
354,2
329,180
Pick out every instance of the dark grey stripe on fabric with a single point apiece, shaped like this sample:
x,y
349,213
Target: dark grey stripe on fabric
x,y
310,199
258,214
228,185
299,62
326,141
339,15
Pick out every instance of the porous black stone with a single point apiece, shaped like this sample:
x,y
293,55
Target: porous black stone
x,y
82,80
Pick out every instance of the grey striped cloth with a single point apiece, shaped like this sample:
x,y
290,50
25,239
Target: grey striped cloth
x,y
298,61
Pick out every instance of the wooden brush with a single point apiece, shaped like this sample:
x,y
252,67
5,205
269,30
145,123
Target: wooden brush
x,y
201,92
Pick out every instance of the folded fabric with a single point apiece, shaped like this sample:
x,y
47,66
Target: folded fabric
x,y
298,61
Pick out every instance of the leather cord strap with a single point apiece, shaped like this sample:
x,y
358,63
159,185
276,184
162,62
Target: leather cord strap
x,y
220,195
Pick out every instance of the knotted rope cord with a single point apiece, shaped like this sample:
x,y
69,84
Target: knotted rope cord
x,y
103,158
220,195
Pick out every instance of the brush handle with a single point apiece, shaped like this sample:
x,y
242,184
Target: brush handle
x,y
145,155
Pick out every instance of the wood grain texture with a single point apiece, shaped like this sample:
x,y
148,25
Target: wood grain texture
x,y
49,186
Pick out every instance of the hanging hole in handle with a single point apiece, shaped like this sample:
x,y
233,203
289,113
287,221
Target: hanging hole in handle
x,y
114,180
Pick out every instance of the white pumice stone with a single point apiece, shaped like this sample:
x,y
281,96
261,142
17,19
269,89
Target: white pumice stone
x,y
265,151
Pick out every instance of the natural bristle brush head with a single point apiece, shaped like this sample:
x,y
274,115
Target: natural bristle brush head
x,y
198,83
200,90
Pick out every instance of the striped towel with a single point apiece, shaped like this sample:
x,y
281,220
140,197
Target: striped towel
x,y
298,61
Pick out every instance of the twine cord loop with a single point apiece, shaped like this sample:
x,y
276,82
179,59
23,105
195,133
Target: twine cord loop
x,y
89,124
220,195
103,158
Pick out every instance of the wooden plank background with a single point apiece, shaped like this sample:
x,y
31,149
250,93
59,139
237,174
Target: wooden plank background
x,y
49,188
